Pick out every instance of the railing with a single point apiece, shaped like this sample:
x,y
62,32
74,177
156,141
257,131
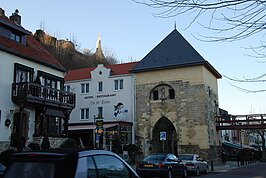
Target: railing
x,y
238,122
38,94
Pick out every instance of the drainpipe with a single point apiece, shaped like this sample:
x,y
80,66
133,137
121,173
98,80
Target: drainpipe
x,y
19,144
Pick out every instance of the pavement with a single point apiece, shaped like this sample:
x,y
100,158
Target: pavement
x,y
223,167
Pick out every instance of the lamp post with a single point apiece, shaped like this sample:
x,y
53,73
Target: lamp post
x,y
241,147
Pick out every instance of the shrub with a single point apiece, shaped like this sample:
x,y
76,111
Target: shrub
x,y
69,143
4,156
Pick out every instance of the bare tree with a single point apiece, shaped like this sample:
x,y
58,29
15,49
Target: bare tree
x,y
229,20
110,56
242,18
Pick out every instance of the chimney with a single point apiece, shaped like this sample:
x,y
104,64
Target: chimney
x,y
2,12
15,17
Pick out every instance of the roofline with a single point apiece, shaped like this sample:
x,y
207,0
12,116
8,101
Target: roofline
x,y
62,69
19,28
205,63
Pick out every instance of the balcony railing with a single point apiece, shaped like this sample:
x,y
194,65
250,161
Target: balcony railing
x,y
32,93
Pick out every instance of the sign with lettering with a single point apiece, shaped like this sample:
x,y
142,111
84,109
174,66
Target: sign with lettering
x,y
162,136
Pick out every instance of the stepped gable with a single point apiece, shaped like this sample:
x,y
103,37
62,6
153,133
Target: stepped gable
x,y
85,73
172,52
32,51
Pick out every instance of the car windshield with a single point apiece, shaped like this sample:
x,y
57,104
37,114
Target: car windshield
x,y
185,157
154,158
31,169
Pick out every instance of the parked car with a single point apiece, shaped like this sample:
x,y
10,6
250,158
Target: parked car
x,y
161,165
2,169
68,163
195,164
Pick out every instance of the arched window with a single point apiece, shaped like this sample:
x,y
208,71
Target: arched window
x,y
162,92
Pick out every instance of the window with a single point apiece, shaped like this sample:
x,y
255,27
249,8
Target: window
x,y
53,125
100,111
100,86
85,88
15,37
52,81
84,113
111,166
119,84
23,73
155,95
67,88
92,172
171,93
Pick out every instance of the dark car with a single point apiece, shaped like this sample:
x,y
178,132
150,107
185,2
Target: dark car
x,y
2,169
68,163
161,165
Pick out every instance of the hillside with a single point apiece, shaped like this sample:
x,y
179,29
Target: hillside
x,y
65,52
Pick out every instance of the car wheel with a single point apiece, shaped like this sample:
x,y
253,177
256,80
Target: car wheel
x,y
170,174
207,170
197,172
184,173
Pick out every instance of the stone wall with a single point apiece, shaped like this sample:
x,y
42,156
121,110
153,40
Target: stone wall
x,y
54,143
192,113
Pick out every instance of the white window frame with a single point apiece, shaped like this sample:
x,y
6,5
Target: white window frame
x,y
84,113
100,86
67,88
118,84
100,109
84,88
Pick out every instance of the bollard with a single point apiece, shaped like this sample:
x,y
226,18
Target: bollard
x,y
212,165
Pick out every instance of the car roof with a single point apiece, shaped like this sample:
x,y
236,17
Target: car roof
x,y
187,154
67,152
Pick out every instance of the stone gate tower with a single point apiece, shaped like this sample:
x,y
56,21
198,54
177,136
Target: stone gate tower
x,y
176,95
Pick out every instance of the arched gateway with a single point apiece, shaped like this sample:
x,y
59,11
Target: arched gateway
x,y
164,137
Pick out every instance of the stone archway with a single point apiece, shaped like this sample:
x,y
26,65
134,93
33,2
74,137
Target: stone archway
x,y
170,144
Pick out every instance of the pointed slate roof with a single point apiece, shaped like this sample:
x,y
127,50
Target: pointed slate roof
x,y
172,52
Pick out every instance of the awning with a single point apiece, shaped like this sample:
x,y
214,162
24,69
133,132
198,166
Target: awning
x,y
54,112
89,127
233,145
237,146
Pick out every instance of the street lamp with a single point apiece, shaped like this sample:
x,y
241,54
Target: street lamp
x,y
241,147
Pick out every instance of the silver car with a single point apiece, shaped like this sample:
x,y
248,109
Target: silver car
x,y
68,163
195,164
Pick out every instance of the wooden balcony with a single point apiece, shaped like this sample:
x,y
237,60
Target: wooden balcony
x,y
35,94
241,122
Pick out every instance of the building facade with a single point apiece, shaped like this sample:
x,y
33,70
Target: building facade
x,y
104,112
32,101
177,100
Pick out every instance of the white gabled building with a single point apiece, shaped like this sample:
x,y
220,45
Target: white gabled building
x,y
32,100
105,96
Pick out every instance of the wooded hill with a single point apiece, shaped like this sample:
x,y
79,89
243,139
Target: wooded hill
x,y
64,51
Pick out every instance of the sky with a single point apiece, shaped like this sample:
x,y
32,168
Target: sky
x,y
129,31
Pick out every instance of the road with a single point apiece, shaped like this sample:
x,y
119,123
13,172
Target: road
x,y
257,170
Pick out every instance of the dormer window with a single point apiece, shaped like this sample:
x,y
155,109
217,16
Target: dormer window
x,y
15,37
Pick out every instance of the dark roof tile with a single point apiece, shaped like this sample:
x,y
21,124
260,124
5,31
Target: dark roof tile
x,y
33,50
173,51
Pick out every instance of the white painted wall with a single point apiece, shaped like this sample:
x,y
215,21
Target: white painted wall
x,y
6,80
106,99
